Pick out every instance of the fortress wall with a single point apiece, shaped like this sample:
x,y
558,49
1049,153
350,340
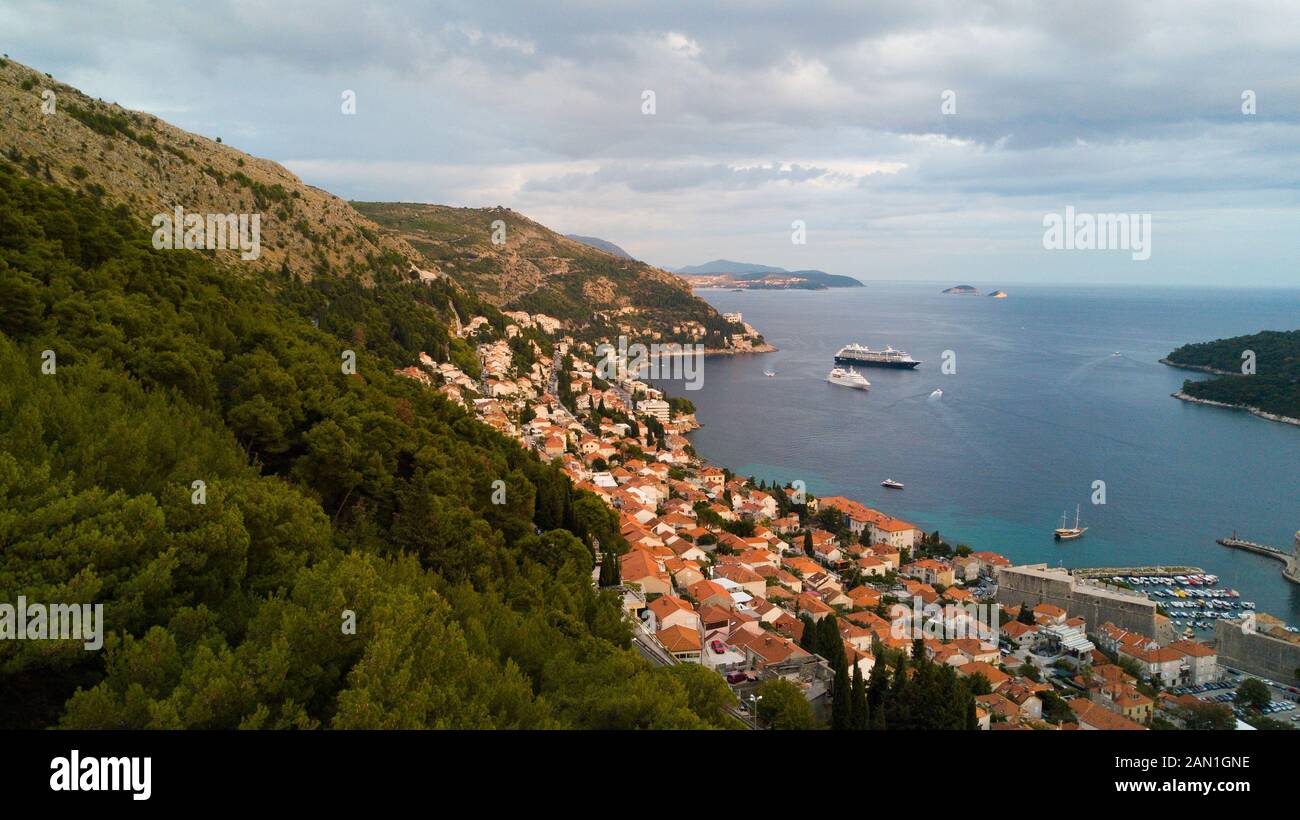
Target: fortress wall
x,y
1035,584
1260,655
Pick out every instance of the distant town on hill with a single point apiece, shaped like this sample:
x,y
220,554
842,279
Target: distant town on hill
x,y
724,273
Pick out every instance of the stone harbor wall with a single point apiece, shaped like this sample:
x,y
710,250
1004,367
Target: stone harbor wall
x,y
1257,654
1035,584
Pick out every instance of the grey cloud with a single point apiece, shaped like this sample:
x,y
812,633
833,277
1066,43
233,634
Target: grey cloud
x,y
648,178
760,108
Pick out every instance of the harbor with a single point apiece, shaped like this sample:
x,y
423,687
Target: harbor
x,y
1189,596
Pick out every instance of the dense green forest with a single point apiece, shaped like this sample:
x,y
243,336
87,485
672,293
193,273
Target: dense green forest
x,y
1274,386
128,374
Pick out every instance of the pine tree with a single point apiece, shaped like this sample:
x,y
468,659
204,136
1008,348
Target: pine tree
x,y
807,543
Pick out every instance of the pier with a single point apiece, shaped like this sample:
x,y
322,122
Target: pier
x,y
1109,572
1291,560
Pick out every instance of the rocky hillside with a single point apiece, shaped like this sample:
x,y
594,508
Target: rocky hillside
x,y
530,267
61,136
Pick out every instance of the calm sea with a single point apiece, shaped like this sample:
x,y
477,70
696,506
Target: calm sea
x,y
1038,409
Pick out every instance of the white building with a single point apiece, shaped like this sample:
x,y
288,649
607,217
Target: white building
x,y
655,407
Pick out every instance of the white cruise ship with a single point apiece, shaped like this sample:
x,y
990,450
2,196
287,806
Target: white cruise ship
x,y
848,378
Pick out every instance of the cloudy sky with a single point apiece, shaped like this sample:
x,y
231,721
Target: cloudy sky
x,y
764,114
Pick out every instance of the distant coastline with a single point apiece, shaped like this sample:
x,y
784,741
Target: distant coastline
x,y
710,351
1198,367
763,348
1254,411
729,275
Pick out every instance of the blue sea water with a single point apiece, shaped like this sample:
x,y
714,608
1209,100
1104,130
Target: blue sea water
x,y
1036,412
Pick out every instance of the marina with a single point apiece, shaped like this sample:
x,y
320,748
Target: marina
x,y
1189,596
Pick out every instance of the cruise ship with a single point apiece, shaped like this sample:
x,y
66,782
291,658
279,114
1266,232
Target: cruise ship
x,y
863,355
848,378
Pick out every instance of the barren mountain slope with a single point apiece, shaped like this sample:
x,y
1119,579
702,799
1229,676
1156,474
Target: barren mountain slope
x,y
533,268
65,137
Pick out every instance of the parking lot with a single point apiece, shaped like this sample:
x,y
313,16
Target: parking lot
x,y
1283,706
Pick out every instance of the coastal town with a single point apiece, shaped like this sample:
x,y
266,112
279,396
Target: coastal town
x,y
745,578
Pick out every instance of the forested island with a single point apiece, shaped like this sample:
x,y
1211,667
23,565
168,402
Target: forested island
x,y
1272,390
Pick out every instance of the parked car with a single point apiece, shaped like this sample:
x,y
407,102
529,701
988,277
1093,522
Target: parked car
x,y
736,677
717,646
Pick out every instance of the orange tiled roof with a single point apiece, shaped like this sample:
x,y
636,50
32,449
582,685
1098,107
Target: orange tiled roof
x,y
679,639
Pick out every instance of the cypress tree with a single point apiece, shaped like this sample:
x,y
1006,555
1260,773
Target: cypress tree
x,y
609,572
858,716
878,687
1026,615
900,676
842,702
878,720
808,638
829,643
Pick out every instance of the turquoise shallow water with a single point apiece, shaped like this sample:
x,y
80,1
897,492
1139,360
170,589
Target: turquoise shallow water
x,y
1037,410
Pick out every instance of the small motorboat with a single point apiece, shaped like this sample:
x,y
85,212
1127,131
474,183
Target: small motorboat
x,y
769,373
937,394
892,484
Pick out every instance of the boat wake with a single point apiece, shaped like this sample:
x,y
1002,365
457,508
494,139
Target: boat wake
x,y
1085,369
911,397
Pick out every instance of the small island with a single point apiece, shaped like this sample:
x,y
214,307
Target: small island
x,y
1272,391
965,290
